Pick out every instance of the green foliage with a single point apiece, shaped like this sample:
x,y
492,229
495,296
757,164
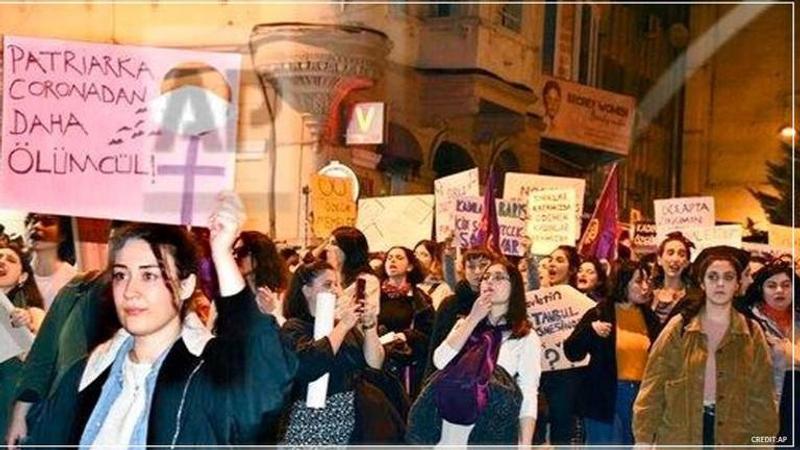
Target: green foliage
x,y
779,207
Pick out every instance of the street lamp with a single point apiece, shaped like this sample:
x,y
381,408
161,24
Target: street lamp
x,y
788,134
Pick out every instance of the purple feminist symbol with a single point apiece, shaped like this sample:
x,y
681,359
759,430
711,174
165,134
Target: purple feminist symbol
x,y
189,171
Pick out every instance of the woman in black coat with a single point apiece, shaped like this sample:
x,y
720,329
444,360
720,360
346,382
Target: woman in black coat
x,y
617,334
405,319
163,379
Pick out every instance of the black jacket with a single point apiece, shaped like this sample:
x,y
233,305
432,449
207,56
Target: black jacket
x,y
599,387
450,310
412,316
232,393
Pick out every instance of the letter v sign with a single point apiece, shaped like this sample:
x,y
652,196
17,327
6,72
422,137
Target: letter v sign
x,y
365,118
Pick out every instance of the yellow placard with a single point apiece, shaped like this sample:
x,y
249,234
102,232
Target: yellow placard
x,y
332,204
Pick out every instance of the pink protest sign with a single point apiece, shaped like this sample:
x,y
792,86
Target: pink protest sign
x,y
114,131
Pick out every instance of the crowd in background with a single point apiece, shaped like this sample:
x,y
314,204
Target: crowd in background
x,y
209,338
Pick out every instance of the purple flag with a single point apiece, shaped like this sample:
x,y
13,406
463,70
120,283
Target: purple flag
x,y
488,232
602,233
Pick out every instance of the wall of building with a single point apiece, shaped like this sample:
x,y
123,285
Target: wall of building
x,y
736,103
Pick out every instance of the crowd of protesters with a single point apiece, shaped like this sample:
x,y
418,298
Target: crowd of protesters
x,y
209,339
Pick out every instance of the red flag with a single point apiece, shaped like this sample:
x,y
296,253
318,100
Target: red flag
x,y
602,234
488,232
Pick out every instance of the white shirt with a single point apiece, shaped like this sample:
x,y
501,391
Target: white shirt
x,y
50,285
118,427
521,358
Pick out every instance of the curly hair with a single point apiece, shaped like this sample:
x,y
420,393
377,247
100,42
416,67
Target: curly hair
x,y
415,276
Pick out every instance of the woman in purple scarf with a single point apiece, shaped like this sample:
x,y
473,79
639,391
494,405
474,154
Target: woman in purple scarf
x,y
495,336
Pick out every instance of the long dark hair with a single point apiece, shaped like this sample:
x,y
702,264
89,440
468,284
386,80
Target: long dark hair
x,y
162,238
66,242
601,290
755,293
622,276
354,245
269,268
686,276
295,306
27,294
415,276
574,260
517,315
435,250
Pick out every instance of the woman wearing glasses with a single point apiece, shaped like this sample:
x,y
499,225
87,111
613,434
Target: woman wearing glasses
x,y
489,367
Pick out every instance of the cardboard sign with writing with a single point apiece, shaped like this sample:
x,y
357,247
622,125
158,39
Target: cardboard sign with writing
x,y
447,190
554,312
117,132
398,220
676,214
520,185
332,203
717,235
509,216
644,237
550,219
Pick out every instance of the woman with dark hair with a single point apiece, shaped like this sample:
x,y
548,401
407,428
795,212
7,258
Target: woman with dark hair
x,y
592,279
672,281
160,381
429,255
489,367
707,380
769,303
617,334
405,319
563,266
16,283
560,388
263,269
344,354
348,252
50,239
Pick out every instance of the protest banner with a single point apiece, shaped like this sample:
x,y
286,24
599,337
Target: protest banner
x,y
554,312
781,237
13,341
606,117
676,214
520,185
398,220
447,190
119,132
550,223
510,215
717,235
332,204
644,237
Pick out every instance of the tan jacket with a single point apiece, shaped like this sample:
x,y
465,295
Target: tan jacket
x,y
669,407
